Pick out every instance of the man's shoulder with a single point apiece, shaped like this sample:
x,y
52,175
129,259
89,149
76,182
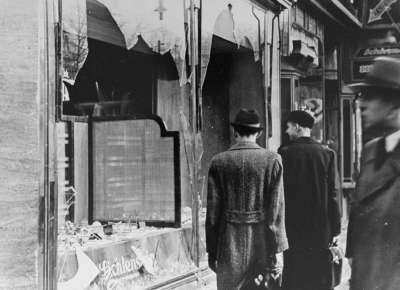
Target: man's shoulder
x,y
371,143
315,147
369,149
261,152
295,146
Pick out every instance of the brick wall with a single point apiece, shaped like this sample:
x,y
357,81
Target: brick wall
x,y
19,144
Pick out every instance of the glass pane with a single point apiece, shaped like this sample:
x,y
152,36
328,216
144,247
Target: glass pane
x,y
347,140
309,98
286,102
75,46
133,171
64,182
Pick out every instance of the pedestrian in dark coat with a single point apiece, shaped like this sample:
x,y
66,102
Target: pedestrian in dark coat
x,y
313,206
245,205
373,244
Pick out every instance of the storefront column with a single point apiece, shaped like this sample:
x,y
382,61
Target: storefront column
x,y
20,152
48,16
193,89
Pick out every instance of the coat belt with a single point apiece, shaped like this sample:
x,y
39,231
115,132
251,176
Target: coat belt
x,y
244,217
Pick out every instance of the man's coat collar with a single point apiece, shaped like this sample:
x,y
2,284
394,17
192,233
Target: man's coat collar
x,y
371,181
245,145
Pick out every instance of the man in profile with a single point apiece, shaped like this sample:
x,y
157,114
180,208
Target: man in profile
x,y
245,224
373,238
313,206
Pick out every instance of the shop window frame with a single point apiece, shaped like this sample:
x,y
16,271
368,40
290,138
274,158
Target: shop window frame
x,y
348,181
164,133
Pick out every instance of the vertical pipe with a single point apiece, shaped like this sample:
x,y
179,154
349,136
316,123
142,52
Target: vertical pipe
x,y
195,198
267,64
45,140
324,135
59,62
198,77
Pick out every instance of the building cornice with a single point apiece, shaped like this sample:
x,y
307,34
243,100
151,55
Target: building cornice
x,y
275,5
338,13
345,11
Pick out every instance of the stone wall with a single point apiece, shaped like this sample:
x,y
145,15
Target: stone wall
x,y
19,144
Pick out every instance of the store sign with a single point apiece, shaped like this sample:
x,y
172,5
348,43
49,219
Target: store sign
x,y
364,59
379,51
377,12
361,68
118,269
383,12
119,266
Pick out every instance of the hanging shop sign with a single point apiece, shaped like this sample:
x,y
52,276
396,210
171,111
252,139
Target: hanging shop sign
x,y
383,12
364,59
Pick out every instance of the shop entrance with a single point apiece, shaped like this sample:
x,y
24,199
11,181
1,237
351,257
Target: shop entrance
x,y
233,81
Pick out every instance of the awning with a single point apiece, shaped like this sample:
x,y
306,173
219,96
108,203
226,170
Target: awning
x,y
300,47
306,45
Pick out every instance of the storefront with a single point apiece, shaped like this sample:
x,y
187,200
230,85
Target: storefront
x,y
317,50
379,38
144,97
303,68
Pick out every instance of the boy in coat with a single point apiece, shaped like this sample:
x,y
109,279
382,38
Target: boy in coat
x,y
245,222
373,244
313,206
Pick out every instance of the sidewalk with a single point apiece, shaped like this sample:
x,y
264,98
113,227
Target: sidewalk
x,y
346,272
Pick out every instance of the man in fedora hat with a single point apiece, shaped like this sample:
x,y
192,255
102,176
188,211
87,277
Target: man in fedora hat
x,y
373,244
245,223
312,206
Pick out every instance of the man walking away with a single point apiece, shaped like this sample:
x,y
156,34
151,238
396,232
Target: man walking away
x,y
313,206
245,205
373,242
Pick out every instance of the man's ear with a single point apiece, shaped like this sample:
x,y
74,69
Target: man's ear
x,y
394,113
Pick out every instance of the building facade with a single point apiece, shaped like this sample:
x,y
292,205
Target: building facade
x,y
121,111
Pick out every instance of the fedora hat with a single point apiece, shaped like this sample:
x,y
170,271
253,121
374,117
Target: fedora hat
x,y
384,73
249,119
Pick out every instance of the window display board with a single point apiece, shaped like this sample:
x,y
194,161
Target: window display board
x,y
135,174
127,259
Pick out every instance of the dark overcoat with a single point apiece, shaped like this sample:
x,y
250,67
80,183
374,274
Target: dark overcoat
x,y
313,213
245,210
374,225
312,194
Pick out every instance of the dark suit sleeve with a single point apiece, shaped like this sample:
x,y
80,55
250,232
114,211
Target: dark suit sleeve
x,y
214,211
350,227
276,233
334,196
